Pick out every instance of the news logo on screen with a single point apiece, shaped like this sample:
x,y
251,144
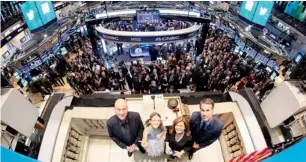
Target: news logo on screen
x,y
296,9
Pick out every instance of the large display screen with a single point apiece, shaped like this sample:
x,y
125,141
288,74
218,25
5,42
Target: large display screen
x,y
296,9
31,15
247,9
37,13
148,17
46,11
256,11
262,12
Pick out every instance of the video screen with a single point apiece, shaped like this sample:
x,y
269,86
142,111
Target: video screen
x,y
298,58
250,52
6,54
148,17
24,82
296,9
140,51
262,12
273,76
31,15
46,11
25,69
37,13
261,58
269,70
256,11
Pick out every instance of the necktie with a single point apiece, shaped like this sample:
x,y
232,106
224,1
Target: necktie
x,y
203,127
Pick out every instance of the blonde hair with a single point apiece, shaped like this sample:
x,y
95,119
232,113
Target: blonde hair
x,y
151,116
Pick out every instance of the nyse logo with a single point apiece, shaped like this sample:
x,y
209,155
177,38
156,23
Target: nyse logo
x,y
136,39
249,5
30,15
171,38
45,8
262,11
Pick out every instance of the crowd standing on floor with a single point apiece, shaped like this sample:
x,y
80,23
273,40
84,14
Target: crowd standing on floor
x,y
215,69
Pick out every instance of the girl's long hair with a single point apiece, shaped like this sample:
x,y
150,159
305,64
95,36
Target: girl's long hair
x,y
151,116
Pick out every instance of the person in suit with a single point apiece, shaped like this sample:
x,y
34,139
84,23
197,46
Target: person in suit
x,y
205,127
125,128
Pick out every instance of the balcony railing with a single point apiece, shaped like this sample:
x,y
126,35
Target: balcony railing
x,y
298,25
11,21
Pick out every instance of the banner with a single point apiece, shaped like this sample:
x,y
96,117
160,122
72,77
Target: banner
x,y
147,39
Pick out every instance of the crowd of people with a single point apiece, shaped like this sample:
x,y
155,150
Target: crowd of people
x,y
215,69
163,25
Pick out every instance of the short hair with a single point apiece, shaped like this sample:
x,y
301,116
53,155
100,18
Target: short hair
x,y
208,101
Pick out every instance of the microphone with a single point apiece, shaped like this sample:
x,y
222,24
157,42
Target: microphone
x,y
153,98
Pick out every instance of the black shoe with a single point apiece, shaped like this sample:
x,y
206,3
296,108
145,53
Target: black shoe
x,y
142,150
130,154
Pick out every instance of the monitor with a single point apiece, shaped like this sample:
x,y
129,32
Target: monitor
x,y
31,15
16,75
24,82
247,9
23,40
256,11
273,76
262,12
46,11
296,9
268,69
6,54
298,58
147,16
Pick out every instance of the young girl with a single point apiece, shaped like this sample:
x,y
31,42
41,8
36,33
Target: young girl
x,y
154,136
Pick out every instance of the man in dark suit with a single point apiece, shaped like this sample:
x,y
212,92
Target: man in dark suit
x,y
125,128
205,128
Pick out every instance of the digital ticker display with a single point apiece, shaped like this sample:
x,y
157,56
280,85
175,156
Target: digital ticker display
x,y
148,16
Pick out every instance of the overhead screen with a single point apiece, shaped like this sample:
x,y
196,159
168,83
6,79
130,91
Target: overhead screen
x,y
256,11
296,9
31,15
148,17
46,11
37,13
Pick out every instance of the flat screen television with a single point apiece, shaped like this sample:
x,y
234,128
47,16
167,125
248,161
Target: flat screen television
x,y
147,16
268,69
298,58
6,54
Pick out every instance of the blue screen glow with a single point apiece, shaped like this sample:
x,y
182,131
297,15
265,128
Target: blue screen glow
x,y
46,11
247,9
31,15
256,11
262,12
37,13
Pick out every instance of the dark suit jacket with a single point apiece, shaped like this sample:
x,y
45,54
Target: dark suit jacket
x,y
211,133
115,132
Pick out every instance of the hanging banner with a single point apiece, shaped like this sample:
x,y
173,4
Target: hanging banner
x,y
147,39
